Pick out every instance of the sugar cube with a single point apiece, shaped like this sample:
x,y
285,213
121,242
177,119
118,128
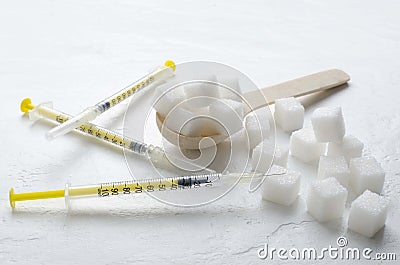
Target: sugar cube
x,y
233,154
368,213
202,85
167,100
334,167
350,147
184,122
304,146
282,189
257,127
289,114
328,124
201,95
281,156
229,114
263,155
326,199
366,174
233,91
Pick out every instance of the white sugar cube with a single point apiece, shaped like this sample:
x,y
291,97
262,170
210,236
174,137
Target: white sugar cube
x,y
304,146
257,127
289,114
230,88
184,122
334,167
233,154
201,93
328,124
167,100
281,156
229,114
366,174
281,189
202,85
326,199
263,155
350,147
368,213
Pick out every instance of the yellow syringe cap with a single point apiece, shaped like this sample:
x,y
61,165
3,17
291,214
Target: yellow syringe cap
x,y
171,64
26,105
12,201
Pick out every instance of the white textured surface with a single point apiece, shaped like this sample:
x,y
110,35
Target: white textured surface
x,y
76,53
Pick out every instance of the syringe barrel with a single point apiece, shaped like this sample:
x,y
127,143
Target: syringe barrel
x,y
154,153
141,186
119,188
46,111
87,115
153,185
160,74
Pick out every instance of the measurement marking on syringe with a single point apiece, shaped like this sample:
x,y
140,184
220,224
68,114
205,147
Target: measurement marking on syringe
x,y
125,187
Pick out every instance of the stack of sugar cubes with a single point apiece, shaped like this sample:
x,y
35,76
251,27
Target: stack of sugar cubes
x,y
344,164
341,167
202,107
279,188
289,115
282,188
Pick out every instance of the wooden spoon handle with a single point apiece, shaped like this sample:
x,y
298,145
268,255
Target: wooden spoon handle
x,y
295,88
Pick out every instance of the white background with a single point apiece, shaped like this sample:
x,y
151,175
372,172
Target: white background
x,y
77,52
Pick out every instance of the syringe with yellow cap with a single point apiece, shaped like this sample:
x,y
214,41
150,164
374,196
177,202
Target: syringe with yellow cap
x,y
158,75
109,189
154,153
131,187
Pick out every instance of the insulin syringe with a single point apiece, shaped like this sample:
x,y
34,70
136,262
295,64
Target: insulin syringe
x,y
118,188
156,154
109,189
160,74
